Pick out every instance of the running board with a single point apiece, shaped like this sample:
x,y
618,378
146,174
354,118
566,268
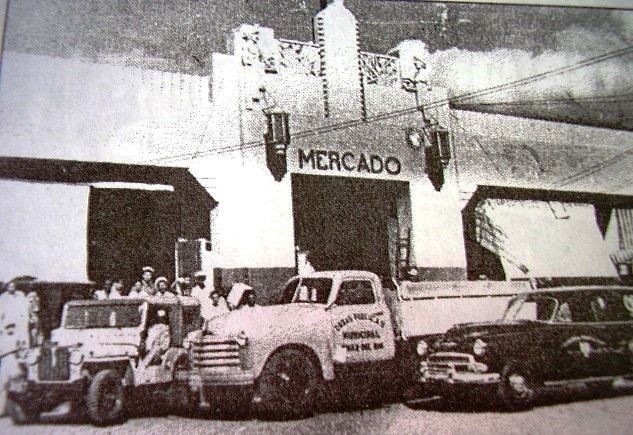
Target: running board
x,y
582,381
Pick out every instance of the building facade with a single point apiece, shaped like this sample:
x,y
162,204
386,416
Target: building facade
x,y
373,173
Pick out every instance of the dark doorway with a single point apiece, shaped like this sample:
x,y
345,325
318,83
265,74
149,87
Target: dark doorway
x,y
129,229
344,222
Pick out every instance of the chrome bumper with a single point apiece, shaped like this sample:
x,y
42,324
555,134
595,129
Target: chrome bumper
x,y
456,368
199,378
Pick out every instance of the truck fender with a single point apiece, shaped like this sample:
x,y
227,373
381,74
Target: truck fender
x,y
321,357
172,356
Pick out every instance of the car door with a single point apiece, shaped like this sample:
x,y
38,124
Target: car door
x,y
362,330
586,346
613,331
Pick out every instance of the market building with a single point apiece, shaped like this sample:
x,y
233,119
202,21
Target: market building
x,y
319,153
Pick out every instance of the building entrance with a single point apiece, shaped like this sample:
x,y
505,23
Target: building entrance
x,y
351,223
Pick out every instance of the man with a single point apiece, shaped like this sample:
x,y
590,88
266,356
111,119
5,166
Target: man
x,y
158,339
199,289
214,306
9,366
102,293
162,289
14,309
145,284
115,289
251,299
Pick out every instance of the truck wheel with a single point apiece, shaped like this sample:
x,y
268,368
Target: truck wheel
x,y
184,400
20,413
106,399
517,389
288,386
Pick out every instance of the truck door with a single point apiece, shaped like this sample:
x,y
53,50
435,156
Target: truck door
x,y
361,322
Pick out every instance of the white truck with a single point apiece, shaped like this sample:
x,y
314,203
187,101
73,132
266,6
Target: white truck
x,y
333,328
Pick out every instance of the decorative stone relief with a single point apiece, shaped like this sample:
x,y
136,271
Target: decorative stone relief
x,y
380,69
299,57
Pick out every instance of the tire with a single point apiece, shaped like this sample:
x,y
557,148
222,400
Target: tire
x,y
517,389
183,400
105,401
288,386
20,413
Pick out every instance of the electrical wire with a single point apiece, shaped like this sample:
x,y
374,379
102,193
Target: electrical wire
x,y
401,112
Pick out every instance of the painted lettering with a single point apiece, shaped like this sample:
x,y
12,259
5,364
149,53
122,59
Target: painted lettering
x,y
376,164
392,166
345,164
327,160
362,164
334,159
305,159
320,159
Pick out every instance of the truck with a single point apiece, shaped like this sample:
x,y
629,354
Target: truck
x,y
104,352
332,331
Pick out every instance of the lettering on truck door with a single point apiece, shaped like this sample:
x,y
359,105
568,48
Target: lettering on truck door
x,y
361,324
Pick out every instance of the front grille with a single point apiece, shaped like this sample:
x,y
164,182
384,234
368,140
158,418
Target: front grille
x,y
210,352
443,362
54,364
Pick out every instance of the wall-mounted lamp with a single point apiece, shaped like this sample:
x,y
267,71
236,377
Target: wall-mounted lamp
x,y
277,139
414,137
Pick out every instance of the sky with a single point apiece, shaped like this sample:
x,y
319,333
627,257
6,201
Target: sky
x,y
470,46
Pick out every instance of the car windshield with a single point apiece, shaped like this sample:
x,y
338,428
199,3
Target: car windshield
x,y
531,307
103,316
307,290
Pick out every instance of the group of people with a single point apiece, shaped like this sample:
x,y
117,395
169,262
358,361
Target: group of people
x,y
212,304
19,328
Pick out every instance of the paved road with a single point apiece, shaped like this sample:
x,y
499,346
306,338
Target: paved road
x,y
577,414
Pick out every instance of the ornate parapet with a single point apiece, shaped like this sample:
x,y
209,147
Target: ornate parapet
x,y
297,57
380,69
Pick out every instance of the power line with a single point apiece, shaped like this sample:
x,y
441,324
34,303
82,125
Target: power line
x,y
401,112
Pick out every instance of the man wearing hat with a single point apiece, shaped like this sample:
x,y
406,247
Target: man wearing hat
x,y
145,285
199,289
162,289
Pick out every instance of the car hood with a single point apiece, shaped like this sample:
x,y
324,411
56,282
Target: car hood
x,y
267,320
486,329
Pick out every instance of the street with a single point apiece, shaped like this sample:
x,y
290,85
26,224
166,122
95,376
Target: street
x,y
576,414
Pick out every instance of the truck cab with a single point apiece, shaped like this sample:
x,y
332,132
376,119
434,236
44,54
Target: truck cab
x,y
324,321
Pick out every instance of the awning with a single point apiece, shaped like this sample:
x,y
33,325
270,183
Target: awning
x,y
543,238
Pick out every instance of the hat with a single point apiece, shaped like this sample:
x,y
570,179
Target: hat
x,y
159,280
148,269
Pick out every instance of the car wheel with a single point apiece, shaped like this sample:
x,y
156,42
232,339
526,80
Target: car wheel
x,y
105,401
21,413
288,386
517,389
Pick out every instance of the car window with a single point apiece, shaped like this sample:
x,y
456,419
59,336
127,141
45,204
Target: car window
x,y
612,307
532,307
355,292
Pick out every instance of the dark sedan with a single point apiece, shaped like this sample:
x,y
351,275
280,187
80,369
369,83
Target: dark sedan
x,y
545,338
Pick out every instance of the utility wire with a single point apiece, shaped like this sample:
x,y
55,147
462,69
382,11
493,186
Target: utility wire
x,y
401,112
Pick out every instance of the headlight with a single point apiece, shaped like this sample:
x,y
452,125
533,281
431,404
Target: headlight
x,y
422,348
76,358
32,356
479,347
242,339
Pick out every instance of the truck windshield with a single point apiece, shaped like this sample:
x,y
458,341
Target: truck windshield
x,y
103,316
307,290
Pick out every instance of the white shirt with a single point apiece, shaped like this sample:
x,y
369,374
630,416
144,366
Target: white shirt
x,y
209,311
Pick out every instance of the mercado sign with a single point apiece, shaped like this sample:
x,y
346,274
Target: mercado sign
x,y
326,160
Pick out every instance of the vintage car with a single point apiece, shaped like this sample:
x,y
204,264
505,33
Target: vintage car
x,y
545,338
103,352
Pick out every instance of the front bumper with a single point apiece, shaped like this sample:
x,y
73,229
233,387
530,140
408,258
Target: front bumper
x,y
455,368
221,376
46,394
